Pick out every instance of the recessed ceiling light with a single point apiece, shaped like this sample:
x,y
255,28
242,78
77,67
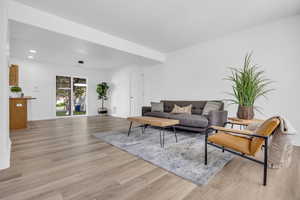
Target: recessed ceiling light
x,y
30,57
32,51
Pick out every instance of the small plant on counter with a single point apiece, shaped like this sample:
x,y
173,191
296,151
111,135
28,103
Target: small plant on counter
x,y
15,92
15,89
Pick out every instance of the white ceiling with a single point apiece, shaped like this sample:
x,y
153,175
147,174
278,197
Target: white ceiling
x,y
64,50
168,25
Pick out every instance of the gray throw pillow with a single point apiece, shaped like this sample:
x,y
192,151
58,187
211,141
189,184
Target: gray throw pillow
x,y
211,106
157,107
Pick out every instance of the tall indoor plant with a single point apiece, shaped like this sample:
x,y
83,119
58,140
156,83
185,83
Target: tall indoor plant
x,y
102,90
248,84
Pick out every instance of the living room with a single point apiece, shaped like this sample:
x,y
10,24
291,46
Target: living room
x,y
128,60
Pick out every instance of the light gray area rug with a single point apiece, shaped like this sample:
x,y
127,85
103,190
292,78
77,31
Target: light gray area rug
x,y
185,158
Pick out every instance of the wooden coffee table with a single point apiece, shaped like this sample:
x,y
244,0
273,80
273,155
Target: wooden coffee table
x,y
160,123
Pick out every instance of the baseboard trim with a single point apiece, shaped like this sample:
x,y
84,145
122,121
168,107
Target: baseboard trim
x,y
65,117
118,116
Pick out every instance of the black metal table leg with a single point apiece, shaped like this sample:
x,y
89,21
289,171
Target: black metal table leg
x,y
144,128
163,138
265,162
129,128
175,133
205,148
160,137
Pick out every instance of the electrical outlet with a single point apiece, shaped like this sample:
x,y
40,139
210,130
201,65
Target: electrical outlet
x,y
36,89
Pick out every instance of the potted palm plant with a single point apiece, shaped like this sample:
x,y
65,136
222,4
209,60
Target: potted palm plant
x,y
248,84
102,90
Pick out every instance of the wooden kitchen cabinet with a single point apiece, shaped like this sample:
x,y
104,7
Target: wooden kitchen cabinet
x,y
18,112
14,75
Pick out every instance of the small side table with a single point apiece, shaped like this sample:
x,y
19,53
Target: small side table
x,y
242,122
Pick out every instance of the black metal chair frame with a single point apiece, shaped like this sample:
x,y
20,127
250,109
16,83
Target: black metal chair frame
x,y
265,147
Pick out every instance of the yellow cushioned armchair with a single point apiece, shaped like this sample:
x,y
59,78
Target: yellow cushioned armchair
x,y
243,143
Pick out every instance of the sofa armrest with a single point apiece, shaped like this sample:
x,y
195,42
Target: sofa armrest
x,y
217,118
146,109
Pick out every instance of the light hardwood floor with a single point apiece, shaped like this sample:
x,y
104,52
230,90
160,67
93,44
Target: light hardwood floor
x,y
61,160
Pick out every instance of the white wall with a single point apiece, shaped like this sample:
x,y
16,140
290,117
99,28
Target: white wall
x,y
4,116
39,80
197,72
122,88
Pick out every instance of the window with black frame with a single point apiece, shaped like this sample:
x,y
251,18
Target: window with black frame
x,y
63,96
71,96
79,96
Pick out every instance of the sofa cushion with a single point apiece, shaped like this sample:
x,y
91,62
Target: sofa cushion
x,y
157,114
197,106
190,120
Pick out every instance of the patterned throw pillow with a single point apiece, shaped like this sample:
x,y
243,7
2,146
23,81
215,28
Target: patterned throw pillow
x,y
186,109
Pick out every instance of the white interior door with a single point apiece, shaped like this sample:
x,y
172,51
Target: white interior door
x,y
136,93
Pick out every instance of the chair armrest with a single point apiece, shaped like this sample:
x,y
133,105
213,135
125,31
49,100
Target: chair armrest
x,y
219,128
217,118
146,109
237,131
243,122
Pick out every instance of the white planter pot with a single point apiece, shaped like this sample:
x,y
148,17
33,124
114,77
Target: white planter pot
x,y
15,94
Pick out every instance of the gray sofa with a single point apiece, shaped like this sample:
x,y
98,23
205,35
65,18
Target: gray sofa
x,y
192,122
